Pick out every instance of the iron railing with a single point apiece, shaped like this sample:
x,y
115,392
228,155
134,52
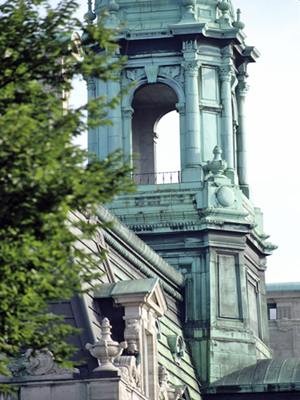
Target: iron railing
x,y
157,178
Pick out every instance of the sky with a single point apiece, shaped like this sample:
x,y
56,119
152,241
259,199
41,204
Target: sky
x,y
273,112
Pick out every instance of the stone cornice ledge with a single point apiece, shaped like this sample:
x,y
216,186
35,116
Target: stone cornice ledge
x,y
140,247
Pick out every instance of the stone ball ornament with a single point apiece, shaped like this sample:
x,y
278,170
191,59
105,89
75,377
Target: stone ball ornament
x,y
225,196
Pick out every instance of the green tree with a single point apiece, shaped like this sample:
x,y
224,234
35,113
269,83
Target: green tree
x,y
43,175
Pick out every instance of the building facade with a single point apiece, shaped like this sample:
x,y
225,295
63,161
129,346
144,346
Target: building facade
x,y
284,318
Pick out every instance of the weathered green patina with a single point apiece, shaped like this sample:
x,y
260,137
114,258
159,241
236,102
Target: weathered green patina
x,y
192,57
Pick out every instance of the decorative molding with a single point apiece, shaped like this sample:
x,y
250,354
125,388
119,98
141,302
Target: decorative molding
x,y
177,348
191,68
135,74
129,370
151,73
225,72
132,335
189,45
285,324
173,71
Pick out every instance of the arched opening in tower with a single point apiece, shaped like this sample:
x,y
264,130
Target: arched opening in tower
x,y
150,103
168,144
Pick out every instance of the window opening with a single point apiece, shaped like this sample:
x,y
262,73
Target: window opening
x,y
150,103
272,311
168,148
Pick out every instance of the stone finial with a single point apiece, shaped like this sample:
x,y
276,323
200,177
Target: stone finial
x,y
238,23
217,166
189,15
112,21
224,7
106,350
89,16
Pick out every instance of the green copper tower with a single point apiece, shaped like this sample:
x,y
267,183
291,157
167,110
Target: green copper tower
x,y
191,56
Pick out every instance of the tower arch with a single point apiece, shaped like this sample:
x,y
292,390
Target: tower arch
x,y
149,103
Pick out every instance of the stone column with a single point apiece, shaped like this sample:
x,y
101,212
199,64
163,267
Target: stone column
x,y
181,110
227,128
114,115
241,131
192,125
127,132
93,145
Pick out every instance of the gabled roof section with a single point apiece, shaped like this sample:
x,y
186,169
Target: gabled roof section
x,y
149,289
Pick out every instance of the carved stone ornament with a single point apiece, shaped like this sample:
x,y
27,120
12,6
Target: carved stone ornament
x,y
225,72
175,72
284,324
225,196
177,348
128,368
151,72
106,350
42,363
132,334
135,74
166,392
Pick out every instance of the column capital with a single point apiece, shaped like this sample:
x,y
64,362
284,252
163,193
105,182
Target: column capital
x,y
242,88
127,112
191,68
225,72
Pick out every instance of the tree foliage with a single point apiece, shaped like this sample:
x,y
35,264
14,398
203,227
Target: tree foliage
x,y
43,175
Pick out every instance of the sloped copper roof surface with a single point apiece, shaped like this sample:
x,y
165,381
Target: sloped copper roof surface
x,y
264,372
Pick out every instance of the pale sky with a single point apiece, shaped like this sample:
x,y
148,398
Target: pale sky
x,y
273,112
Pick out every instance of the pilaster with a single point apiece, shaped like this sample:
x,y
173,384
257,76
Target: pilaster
x,y
227,126
191,170
114,114
242,90
127,132
93,131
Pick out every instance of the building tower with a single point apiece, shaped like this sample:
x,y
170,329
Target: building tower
x,y
190,56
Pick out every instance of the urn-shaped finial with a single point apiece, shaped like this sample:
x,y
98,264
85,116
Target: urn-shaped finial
x,y
106,350
223,6
238,23
90,16
217,166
